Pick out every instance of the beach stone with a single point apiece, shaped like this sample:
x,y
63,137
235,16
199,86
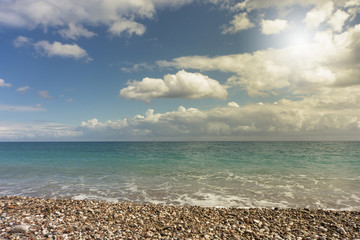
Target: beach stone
x,y
22,228
341,230
323,229
258,222
148,221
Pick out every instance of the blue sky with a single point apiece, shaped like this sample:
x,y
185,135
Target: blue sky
x,y
179,70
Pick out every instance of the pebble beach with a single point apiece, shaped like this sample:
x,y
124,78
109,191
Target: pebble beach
x,y
37,218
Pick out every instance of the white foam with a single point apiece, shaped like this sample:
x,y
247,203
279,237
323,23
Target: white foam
x,y
94,197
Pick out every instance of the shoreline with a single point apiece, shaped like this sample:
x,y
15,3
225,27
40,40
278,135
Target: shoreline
x,y
37,218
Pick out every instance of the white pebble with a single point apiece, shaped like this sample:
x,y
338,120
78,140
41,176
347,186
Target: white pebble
x,y
20,228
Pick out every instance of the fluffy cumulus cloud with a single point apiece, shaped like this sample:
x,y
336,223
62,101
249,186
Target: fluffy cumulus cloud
x,y
327,115
54,49
273,26
333,114
250,5
61,50
4,84
321,11
319,14
240,22
128,26
317,80
338,20
180,85
274,73
329,60
75,19
70,17
75,31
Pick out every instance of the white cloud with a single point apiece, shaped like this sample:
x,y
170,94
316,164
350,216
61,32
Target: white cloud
x,y
20,108
23,89
259,73
137,67
273,26
323,116
319,14
21,41
75,31
55,49
45,94
131,27
329,60
240,22
352,3
61,50
337,21
118,16
330,115
4,84
251,5
233,104
180,85
37,131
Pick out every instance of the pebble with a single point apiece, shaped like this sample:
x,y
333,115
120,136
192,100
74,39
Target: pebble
x,y
322,229
36,218
342,231
22,228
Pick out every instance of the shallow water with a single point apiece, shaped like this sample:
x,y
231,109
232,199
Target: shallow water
x,y
226,174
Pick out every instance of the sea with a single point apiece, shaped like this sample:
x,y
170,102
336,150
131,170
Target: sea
x,y
316,175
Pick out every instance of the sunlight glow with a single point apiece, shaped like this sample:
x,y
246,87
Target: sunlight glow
x,y
299,38
299,41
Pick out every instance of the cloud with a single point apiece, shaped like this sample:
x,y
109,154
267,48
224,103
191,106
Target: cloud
x,y
274,73
23,90
20,108
54,49
61,50
328,60
131,27
273,26
240,22
319,14
247,12
317,117
117,16
180,85
251,5
36,131
337,21
330,115
21,41
45,94
4,84
137,67
75,31
233,104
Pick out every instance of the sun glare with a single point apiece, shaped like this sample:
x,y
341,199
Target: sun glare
x,y
299,41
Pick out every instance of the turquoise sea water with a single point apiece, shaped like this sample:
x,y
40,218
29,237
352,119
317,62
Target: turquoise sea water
x,y
225,174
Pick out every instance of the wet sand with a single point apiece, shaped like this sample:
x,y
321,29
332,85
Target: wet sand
x,y
36,218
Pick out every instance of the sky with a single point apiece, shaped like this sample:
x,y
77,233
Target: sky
x,y
160,70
